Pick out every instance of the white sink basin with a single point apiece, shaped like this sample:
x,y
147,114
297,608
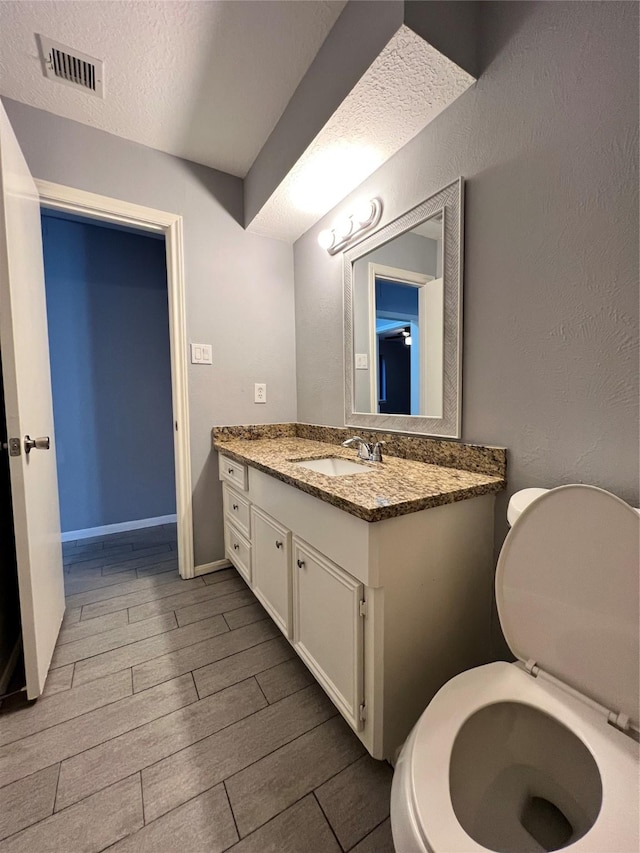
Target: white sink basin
x,y
334,466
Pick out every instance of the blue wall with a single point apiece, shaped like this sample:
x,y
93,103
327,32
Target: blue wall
x,y
110,372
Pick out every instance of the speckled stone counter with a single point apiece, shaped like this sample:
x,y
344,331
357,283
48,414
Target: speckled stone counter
x,y
397,486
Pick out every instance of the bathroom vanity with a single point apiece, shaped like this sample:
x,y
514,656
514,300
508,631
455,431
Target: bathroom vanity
x,y
381,580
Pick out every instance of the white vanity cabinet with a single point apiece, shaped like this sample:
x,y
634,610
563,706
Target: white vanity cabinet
x,y
382,613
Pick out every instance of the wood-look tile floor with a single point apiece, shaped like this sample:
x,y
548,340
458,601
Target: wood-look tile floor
x,y
176,717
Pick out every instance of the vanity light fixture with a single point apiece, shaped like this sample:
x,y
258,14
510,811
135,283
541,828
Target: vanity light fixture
x,y
349,228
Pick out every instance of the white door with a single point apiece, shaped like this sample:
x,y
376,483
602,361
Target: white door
x,y
24,344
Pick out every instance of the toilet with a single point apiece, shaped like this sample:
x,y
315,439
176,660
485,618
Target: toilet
x,y
540,754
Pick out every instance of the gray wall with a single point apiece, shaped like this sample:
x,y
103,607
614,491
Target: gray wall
x,y
547,142
108,320
239,287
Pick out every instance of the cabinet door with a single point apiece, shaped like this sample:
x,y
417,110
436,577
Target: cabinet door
x,y
271,551
328,628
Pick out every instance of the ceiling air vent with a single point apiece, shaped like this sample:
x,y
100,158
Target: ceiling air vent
x,y
71,67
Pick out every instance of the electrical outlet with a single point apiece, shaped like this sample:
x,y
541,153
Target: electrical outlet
x,y
260,392
362,361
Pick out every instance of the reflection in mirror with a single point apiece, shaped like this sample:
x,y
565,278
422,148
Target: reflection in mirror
x,y
403,316
398,324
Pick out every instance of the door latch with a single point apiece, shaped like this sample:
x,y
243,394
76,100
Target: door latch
x,y
14,447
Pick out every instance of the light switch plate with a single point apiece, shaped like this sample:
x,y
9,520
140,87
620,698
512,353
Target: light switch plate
x,y
362,361
201,354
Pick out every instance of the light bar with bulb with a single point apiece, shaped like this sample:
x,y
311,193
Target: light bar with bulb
x,y
350,228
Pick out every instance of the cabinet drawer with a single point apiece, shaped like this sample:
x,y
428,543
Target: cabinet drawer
x,y
236,509
271,568
328,628
238,550
233,472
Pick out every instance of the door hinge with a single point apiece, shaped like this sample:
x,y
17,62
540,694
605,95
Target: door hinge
x,y
15,447
362,712
363,608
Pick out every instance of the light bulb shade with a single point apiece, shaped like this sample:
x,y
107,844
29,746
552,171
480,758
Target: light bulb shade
x,y
364,213
326,238
343,228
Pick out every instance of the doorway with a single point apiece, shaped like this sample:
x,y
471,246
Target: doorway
x,y
114,212
107,309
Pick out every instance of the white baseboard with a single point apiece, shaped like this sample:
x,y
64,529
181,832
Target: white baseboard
x,y
7,672
121,527
207,568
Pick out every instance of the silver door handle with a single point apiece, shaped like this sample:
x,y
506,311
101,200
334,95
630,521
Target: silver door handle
x,y
43,443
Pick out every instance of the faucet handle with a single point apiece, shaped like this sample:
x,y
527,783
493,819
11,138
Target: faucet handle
x,y
376,452
352,440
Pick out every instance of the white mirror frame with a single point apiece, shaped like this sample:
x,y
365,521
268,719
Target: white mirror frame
x,y
450,201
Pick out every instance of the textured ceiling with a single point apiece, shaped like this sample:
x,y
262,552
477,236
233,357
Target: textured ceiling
x,y
204,80
401,92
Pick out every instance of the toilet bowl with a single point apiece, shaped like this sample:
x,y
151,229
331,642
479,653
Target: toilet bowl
x,y
540,754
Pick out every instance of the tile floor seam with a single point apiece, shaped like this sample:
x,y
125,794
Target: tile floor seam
x,y
62,811
118,594
271,704
55,796
144,818
370,832
233,816
148,660
107,704
100,743
259,688
284,743
33,773
169,755
328,779
123,646
208,601
253,674
241,720
283,810
325,816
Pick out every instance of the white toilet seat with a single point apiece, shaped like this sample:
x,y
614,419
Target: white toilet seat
x,y
426,759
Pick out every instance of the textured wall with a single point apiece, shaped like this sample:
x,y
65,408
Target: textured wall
x,y
108,322
239,287
547,142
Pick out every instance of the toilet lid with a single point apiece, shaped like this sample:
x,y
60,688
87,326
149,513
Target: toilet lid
x,y
568,594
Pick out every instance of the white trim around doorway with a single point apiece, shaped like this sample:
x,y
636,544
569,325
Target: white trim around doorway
x,y
93,206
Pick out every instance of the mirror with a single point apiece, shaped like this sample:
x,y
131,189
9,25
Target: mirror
x,y
403,313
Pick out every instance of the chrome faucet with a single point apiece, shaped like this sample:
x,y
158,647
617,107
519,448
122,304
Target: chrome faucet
x,y
366,450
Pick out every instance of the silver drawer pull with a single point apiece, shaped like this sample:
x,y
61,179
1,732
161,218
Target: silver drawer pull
x,y
300,564
235,506
236,547
278,544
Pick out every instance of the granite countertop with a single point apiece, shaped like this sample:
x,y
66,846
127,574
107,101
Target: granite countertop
x,y
397,486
